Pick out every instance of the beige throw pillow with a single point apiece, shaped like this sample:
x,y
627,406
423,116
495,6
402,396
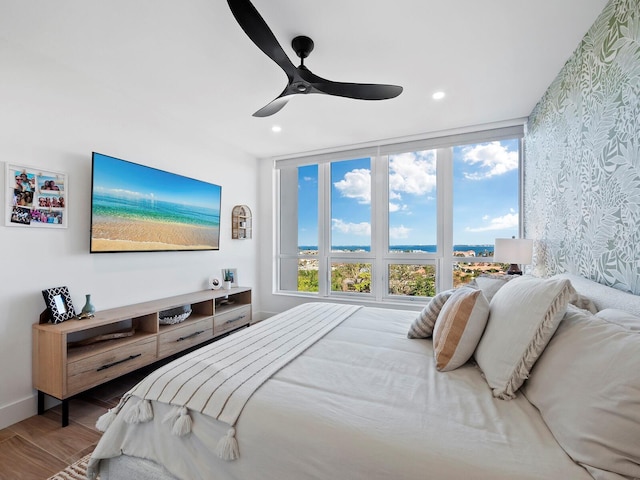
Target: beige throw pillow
x,y
587,388
459,328
491,283
422,327
523,316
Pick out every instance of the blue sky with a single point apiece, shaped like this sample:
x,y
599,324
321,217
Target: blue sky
x,y
119,177
485,197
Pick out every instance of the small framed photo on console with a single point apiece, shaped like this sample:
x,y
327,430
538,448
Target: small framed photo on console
x,y
59,304
230,275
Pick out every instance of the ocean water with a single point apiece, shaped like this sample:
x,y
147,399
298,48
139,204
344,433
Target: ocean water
x,y
143,209
480,250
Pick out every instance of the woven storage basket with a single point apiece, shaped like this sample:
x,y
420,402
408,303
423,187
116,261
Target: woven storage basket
x,y
174,315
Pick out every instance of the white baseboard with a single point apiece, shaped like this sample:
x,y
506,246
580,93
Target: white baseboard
x,y
17,411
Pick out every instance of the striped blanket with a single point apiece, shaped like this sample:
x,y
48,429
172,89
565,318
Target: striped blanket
x,y
219,379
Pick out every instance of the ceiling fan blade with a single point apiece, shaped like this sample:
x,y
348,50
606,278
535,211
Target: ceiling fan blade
x,y
362,91
272,107
259,32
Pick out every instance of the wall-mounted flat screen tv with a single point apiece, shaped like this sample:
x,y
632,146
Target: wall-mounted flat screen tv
x,y
135,208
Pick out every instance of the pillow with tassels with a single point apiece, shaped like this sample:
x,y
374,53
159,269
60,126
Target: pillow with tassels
x,y
523,316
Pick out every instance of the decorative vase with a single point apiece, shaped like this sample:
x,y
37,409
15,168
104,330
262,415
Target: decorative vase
x,y
227,285
88,308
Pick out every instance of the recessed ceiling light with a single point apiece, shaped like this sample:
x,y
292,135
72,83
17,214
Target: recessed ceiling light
x,y
276,129
438,96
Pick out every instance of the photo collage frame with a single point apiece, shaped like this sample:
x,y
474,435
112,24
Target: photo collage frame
x,y
35,197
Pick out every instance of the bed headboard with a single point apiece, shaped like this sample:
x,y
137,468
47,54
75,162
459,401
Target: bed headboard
x,y
603,296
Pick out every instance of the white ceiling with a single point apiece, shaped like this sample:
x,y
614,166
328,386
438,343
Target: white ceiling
x,y
190,61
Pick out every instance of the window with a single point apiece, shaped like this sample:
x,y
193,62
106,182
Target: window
x,y
487,171
413,216
351,205
414,280
397,222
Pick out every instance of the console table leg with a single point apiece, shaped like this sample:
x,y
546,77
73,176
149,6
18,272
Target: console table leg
x,y
65,412
40,402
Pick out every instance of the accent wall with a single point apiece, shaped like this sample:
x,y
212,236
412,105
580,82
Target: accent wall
x,y
582,158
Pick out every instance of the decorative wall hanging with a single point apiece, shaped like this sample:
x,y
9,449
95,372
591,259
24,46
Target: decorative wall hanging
x,y
35,197
241,222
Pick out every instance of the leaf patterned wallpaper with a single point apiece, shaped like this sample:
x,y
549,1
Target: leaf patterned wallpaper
x,y
582,150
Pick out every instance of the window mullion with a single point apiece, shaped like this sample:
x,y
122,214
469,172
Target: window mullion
x,y
380,223
521,232
444,180
324,229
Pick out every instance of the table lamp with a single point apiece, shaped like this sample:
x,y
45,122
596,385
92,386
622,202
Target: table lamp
x,y
514,251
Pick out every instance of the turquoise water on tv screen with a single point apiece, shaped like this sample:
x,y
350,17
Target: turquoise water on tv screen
x,y
127,208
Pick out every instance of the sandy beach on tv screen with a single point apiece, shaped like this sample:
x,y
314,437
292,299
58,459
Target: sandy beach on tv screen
x,y
108,235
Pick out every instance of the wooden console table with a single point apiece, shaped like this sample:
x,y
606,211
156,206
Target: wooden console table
x,y
66,362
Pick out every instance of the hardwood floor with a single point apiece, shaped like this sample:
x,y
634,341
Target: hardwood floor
x,y
39,447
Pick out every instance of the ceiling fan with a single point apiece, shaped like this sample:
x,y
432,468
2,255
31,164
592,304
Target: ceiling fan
x,y
301,80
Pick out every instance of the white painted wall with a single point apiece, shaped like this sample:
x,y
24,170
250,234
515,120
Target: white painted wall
x,y
52,117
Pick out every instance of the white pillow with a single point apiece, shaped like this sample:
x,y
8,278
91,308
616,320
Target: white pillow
x,y
603,296
587,388
523,316
620,317
491,283
459,328
422,326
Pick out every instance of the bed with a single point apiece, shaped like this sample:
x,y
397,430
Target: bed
x,y
364,401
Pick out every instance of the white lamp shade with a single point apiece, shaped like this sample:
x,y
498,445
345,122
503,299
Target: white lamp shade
x,y
513,250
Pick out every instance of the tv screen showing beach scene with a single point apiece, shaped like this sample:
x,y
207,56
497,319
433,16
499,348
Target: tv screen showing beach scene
x,y
135,208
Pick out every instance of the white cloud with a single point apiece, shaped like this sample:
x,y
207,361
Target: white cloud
x,y
362,228
356,184
510,220
399,232
413,173
493,158
395,207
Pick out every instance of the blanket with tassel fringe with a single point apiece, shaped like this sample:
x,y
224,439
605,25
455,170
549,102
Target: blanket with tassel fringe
x,y
218,380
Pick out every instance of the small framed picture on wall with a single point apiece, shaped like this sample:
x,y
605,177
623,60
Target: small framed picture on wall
x,y
35,197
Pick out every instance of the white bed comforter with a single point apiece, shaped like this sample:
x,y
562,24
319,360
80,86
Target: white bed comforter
x,y
364,402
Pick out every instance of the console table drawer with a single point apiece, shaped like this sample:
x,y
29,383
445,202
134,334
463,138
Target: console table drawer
x,y
226,321
185,336
102,367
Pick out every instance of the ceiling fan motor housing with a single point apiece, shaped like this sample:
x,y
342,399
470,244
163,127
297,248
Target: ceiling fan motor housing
x,y
302,45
